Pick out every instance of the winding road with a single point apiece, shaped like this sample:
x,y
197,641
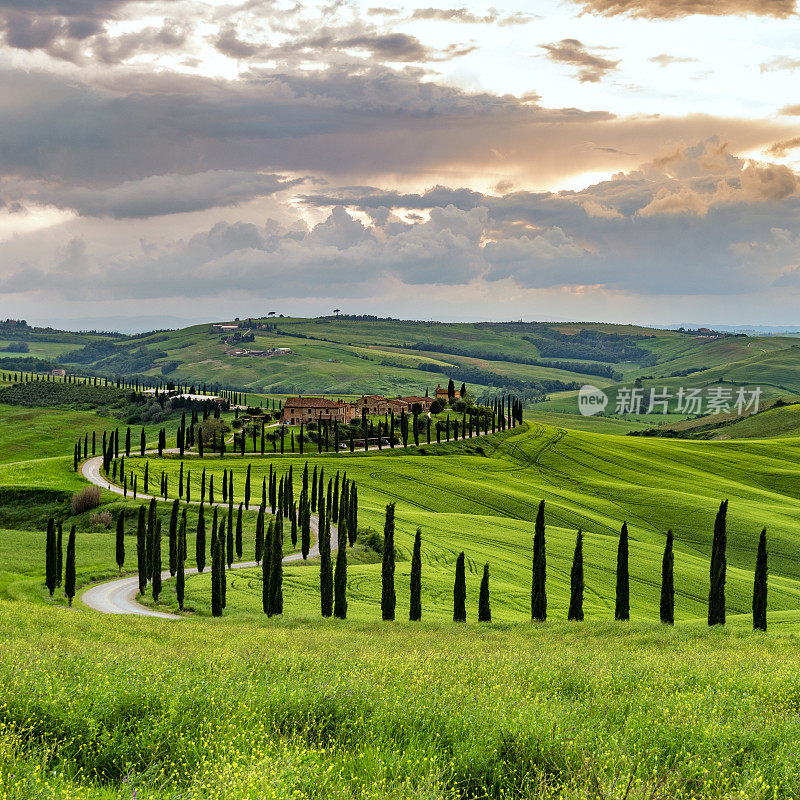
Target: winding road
x,y
119,596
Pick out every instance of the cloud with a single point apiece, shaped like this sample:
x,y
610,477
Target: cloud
x,y
467,17
664,60
780,149
791,111
156,195
592,68
672,9
780,64
396,47
59,27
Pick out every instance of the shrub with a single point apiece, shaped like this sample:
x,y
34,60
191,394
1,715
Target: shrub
x,y
85,499
370,539
104,518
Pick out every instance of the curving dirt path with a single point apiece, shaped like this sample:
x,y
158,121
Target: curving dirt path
x,y
119,596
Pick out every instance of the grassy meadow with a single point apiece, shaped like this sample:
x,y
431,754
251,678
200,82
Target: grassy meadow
x,y
245,706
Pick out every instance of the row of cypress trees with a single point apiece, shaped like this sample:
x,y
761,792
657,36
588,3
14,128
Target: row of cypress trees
x,y
716,597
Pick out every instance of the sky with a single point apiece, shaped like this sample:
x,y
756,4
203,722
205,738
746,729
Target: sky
x,y
613,160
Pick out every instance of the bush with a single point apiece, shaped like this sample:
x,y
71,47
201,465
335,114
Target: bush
x,y
370,539
85,499
104,518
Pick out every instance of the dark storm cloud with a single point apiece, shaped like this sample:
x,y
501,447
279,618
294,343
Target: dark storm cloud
x,y
671,9
591,67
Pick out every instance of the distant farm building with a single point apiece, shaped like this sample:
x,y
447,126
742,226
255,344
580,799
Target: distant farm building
x,y
302,410
441,394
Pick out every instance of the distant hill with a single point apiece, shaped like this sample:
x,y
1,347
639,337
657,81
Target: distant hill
x,y
350,355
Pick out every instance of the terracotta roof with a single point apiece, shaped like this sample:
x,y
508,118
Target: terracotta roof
x,y
414,399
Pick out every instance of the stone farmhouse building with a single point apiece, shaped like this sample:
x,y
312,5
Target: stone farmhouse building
x,y
441,394
297,410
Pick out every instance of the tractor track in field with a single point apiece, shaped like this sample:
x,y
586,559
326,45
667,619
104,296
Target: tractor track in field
x,y
119,595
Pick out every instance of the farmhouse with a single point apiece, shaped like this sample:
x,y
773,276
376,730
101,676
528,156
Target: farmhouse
x,y
441,394
414,400
297,410
375,405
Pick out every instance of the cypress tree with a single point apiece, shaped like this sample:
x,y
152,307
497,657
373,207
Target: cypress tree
x,y
230,542
716,594
200,541
59,553
276,572
239,549
180,577
760,585
142,444
69,577
484,609
216,576
538,590
325,569
352,524
622,607
340,581
335,502
314,490
388,597
222,548
576,581
151,536
157,562
50,579
460,591
667,605
259,534
173,539
141,549
211,490
121,541
266,568
415,610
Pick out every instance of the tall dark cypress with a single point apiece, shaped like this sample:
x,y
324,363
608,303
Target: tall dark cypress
x,y
415,607
305,525
259,534
622,607
340,581
760,585
388,596
352,524
335,502
538,590
69,576
314,491
59,552
151,536
141,549
217,572
576,581
200,540
173,538
229,543
120,542
157,562
180,577
222,548
667,605
484,609
716,594
50,578
239,548
266,570
460,591
325,569
276,573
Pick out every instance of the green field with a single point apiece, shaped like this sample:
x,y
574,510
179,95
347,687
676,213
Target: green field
x,y
245,706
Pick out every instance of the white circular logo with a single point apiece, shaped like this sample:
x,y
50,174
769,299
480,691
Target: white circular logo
x,y
591,400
